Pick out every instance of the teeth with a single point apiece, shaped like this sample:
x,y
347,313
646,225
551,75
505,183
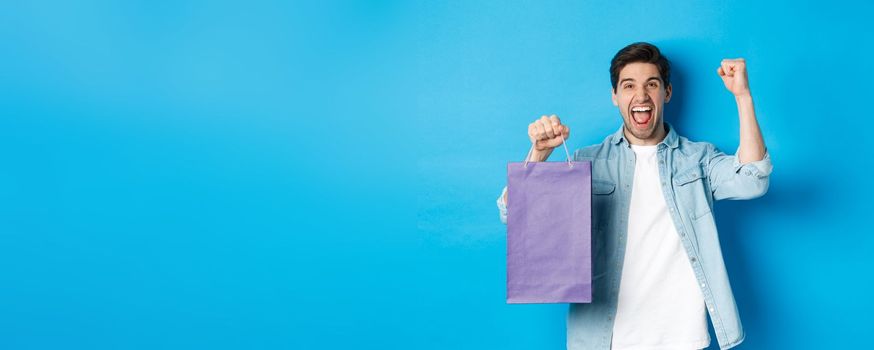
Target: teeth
x,y
641,109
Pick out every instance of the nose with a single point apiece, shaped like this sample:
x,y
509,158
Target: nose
x,y
640,95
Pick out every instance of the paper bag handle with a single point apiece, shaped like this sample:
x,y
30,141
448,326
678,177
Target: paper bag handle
x,y
568,153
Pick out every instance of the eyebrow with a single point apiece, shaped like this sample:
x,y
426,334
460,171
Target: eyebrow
x,y
632,80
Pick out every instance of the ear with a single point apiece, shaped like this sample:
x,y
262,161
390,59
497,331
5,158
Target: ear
x,y
668,93
613,97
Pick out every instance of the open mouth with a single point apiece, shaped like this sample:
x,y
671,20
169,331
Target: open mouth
x,y
641,115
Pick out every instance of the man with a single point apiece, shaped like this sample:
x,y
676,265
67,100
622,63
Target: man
x,y
657,267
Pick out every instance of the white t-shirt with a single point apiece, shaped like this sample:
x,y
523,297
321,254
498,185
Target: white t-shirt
x,y
660,304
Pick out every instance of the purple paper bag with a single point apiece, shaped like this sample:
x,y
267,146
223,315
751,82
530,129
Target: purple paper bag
x,y
549,254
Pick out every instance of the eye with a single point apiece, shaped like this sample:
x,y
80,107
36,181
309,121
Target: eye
x,y
627,86
653,84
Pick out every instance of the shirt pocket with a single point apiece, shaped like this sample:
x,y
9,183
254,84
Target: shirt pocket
x,y
691,190
602,187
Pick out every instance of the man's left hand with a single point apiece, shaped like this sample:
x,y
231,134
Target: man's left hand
x,y
734,74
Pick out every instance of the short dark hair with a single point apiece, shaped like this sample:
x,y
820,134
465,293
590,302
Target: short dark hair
x,y
640,52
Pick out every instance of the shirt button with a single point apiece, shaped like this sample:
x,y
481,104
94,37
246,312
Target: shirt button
x,y
693,259
703,284
711,309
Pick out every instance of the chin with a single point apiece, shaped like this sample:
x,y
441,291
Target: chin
x,y
645,134
640,132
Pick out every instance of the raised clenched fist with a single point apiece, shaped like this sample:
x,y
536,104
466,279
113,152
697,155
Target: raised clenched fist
x,y
547,133
734,75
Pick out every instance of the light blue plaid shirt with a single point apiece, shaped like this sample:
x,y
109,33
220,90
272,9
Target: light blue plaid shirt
x,y
693,175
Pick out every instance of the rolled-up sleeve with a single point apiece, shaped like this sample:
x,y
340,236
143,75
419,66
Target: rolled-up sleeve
x,y
502,206
729,179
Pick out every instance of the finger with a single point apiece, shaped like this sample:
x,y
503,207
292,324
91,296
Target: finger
x,y
740,65
540,134
557,130
727,68
556,124
534,131
565,132
554,118
720,71
547,127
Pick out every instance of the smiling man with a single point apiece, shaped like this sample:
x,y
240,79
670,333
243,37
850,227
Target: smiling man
x,y
657,268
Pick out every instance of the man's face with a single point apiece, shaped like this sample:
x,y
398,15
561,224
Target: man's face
x,y
641,96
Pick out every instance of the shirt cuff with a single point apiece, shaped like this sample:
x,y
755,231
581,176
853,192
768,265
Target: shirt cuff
x,y
760,168
502,206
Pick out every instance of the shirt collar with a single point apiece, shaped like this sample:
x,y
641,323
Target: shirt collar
x,y
671,139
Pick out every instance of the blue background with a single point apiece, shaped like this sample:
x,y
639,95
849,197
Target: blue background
x,y
322,175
